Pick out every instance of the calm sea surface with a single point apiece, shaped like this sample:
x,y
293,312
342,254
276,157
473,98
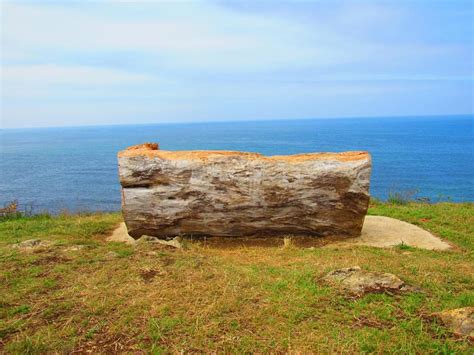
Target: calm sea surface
x,y
76,168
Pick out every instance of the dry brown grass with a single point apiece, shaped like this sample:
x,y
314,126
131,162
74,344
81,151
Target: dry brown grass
x,y
109,297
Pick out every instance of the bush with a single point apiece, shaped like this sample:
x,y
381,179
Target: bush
x,y
10,211
401,197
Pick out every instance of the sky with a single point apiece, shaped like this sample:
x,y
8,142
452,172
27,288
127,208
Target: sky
x,y
69,63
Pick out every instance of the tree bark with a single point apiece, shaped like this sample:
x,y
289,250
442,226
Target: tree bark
x,y
224,193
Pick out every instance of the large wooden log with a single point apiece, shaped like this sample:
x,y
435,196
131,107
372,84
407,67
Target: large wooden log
x,y
225,193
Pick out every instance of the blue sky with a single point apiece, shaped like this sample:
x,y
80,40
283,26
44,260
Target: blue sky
x,y
111,62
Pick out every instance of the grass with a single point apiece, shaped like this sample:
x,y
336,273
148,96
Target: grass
x,y
107,297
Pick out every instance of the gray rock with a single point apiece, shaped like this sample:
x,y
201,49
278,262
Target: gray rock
x,y
32,244
75,248
358,282
460,321
175,242
147,239
224,193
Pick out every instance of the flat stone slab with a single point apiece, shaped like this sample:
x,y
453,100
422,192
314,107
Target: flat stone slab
x,y
386,232
358,282
120,234
378,231
31,244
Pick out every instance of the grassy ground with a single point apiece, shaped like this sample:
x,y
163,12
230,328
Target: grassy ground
x,y
110,297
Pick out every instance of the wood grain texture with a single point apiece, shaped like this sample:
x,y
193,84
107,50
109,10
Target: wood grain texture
x,y
224,193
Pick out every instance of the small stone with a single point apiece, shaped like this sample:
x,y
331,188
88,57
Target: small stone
x,y
75,248
147,239
32,244
175,242
358,282
460,321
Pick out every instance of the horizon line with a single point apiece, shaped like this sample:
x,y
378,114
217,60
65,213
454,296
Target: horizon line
x,y
240,120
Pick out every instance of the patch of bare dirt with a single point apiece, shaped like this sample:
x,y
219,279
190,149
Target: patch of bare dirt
x,y
148,275
108,344
50,260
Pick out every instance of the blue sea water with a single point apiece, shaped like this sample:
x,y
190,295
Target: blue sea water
x,y
76,168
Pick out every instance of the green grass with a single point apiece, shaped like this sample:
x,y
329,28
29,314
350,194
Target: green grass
x,y
451,221
156,300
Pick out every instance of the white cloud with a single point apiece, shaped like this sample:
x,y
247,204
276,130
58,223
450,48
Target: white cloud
x,y
210,37
70,75
88,60
54,81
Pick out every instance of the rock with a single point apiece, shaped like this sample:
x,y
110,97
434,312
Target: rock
x,y
225,193
147,239
75,248
386,232
120,234
32,244
358,282
460,321
175,242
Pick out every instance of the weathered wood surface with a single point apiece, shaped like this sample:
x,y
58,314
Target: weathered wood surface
x,y
224,193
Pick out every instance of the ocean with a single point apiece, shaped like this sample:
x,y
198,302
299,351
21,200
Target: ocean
x,y
75,168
